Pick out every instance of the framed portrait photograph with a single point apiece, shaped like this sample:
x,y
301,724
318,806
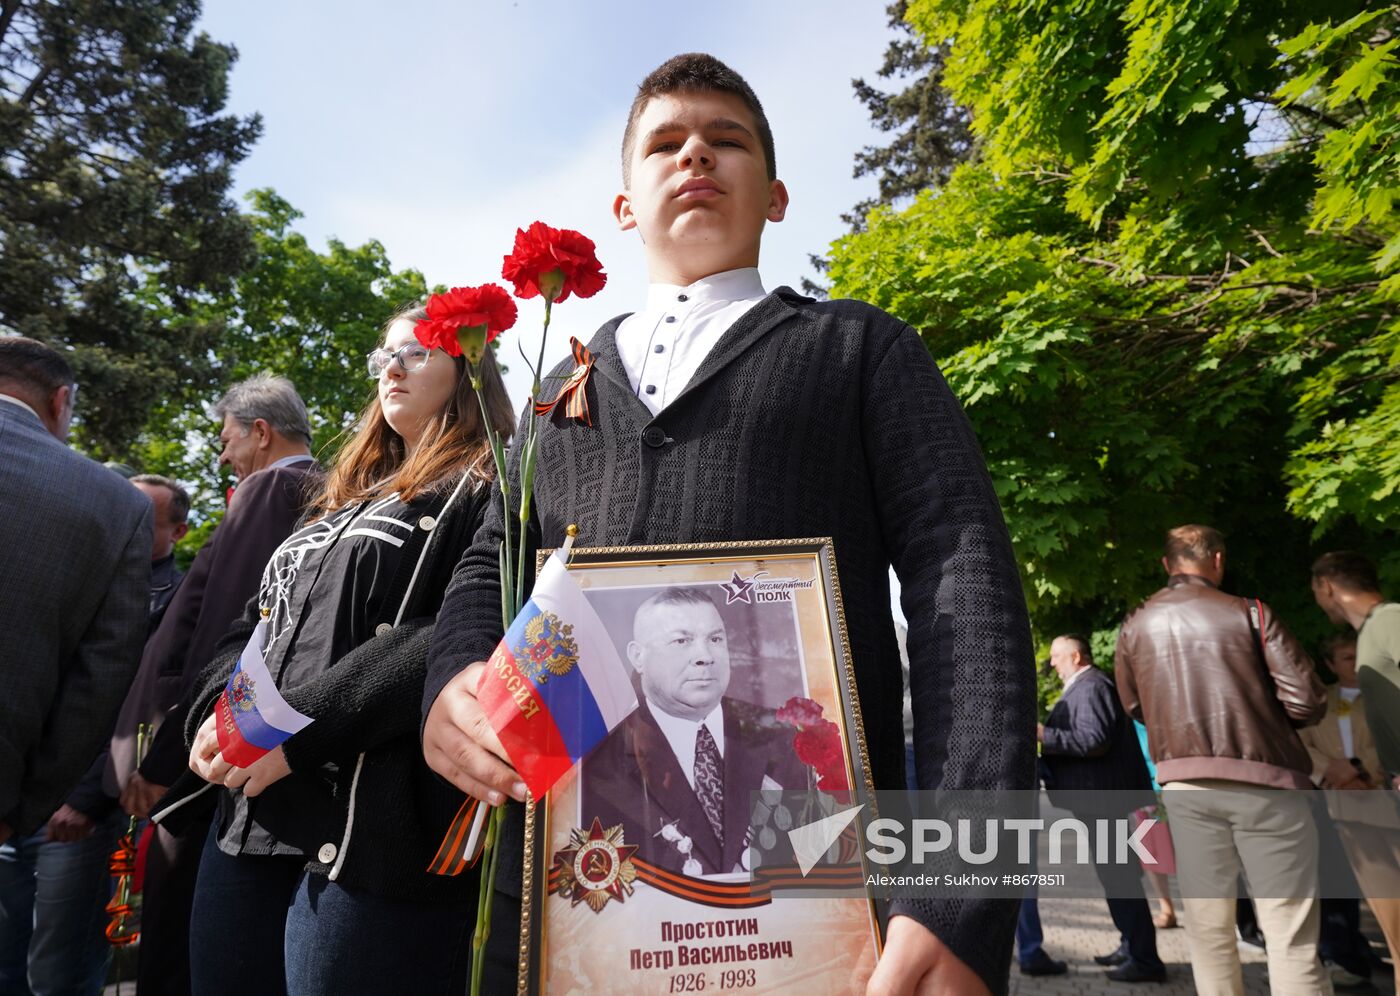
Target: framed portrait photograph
x,y
709,842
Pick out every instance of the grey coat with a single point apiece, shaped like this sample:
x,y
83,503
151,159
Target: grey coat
x,y
75,562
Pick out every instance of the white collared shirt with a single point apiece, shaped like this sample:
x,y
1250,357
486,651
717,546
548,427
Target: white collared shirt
x,y
663,345
681,734
15,401
288,461
1073,678
1349,696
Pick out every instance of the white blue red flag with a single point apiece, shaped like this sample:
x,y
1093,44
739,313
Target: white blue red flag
x,y
253,718
555,685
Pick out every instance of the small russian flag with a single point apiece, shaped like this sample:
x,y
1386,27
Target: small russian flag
x,y
555,685
253,718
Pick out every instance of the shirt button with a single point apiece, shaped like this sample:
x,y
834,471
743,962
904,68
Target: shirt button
x,y
670,318
382,628
659,348
651,389
427,522
682,297
326,854
654,436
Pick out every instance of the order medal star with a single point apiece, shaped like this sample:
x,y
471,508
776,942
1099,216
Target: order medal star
x,y
596,866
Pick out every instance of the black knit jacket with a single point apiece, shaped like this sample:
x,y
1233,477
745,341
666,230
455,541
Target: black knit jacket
x,y
365,722
811,419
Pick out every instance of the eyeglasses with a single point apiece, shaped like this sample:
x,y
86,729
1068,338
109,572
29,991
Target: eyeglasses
x,y
411,356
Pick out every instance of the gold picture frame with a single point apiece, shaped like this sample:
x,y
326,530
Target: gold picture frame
x,y
786,660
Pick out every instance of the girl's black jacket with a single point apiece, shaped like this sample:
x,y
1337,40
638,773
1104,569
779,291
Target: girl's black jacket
x,y
392,809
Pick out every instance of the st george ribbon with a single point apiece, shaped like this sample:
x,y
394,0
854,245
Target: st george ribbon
x,y
253,718
555,685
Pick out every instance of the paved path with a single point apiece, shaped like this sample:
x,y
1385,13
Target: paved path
x,y
1078,929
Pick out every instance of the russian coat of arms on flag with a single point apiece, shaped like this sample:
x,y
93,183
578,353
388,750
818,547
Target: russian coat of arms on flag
x,y
253,718
549,648
555,685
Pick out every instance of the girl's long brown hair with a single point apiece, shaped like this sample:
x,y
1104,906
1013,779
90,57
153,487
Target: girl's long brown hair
x,y
371,463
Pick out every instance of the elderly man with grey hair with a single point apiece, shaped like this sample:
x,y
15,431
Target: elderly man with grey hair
x,y
264,424
266,439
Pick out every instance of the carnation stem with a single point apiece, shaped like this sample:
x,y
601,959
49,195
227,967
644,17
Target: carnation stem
x,y
539,365
512,591
498,458
486,892
527,462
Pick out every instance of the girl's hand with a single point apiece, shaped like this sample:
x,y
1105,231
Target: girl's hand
x,y
270,768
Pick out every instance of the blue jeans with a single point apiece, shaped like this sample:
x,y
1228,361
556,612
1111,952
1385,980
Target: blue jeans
x,y
263,925
1029,936
52,913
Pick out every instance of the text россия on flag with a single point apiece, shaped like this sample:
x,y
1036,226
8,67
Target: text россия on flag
x,y
555,685
252,717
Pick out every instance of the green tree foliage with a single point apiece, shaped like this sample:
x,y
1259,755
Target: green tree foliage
x,y
1163,290
115,160
308,315
928,132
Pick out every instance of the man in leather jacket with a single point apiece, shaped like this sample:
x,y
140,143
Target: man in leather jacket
x,y
1222,686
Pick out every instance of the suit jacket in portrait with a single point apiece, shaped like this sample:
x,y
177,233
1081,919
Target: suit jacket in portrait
x,y
634,779
73,606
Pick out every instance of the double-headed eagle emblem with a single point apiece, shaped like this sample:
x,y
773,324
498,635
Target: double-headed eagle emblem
x,y
548,648
240,693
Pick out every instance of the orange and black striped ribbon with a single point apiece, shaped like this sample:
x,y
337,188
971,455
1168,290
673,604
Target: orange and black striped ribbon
x,y
574,393
739,895
451,856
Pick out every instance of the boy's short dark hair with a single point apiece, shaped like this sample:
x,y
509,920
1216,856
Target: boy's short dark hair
x,y
28,363
695,72
1347,569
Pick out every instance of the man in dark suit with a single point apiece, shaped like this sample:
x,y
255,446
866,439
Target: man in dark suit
x,y
689,757
1088,746
57,882
266,441
77,543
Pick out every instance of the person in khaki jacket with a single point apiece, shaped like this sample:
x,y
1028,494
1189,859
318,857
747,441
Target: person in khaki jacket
x,y
1342,749
1344,757
1222,686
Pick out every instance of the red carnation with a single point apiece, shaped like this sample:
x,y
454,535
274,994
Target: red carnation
x,y
465,308
819,747
554,262
800,712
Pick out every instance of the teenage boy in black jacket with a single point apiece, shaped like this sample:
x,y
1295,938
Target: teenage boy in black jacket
x,y
721,412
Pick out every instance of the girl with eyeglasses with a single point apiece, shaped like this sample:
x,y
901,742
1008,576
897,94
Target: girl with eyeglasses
x,y
313,879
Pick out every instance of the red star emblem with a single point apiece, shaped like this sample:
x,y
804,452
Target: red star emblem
x,y
596,866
